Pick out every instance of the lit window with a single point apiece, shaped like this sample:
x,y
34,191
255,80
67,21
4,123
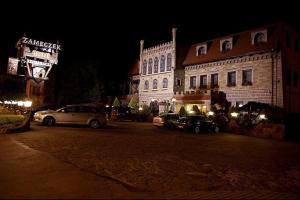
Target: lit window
x,y
169,62
165,83
162,63
231,79
247,77
156,65
150,66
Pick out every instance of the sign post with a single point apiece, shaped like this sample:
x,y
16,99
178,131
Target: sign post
x,y
38,57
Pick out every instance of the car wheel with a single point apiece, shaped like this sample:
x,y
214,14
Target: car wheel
x,y
95,124
49,121
197,129
216,129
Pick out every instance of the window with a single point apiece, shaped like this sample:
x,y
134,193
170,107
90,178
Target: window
x,y
201,50
162,63
144,67
156,65
146,86
193,82
231,79
155,84
165,83
169,62
259,38
247,77
214,80
178,82
203,81
226,45
150,66
295,79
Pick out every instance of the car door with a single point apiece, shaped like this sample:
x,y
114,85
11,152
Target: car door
x,y
65,115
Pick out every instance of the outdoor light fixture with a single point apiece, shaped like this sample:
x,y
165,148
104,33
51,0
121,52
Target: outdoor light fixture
x,y
140,108
210,113
234,114
107,106
173,99
27,104
262,117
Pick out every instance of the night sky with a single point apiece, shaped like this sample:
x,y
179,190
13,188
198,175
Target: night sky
x,y
109,34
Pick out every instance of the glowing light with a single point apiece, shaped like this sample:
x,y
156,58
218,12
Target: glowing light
x,y
140,108
234,114
27,103
173,99
262,116
107,106
191,111
210,113
240,105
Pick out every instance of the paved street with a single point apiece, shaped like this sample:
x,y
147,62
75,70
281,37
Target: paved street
x,y
137,160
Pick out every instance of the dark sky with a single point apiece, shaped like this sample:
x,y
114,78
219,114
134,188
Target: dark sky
x,y
110,33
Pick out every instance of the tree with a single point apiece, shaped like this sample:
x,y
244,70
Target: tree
x,y
116,102
182,111
133,103
196,109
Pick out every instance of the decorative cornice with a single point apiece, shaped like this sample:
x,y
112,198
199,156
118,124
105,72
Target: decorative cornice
x,y
232,60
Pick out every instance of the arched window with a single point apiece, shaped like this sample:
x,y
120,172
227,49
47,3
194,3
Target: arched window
x,y
169,62
201,51
146,86
150,66
144,67
155,84
165,83
226,45
259,38
162,63
156,65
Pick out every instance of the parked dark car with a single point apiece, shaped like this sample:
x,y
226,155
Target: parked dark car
x,y
127,114
168,120
197,124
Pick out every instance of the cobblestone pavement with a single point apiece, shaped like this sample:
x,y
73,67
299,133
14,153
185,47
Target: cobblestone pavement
x,y
161,163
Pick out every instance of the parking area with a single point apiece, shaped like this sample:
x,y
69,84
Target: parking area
x,y
144,161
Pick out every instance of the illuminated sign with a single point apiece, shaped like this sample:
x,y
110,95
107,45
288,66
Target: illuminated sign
x,y
38,43
42,55
39,63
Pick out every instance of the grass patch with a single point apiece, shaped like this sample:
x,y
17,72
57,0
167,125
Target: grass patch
x,y
8,119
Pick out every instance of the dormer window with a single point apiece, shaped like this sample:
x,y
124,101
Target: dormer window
x,y
259,37
201,50
226,44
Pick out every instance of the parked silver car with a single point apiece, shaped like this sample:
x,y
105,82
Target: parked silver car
x,y
73,114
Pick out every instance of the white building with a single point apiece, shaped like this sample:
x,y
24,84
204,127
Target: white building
x,y
159,74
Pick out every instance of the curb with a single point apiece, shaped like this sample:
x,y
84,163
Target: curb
x,y
25,126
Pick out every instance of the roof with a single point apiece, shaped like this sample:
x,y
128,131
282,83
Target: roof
x,y
134,70
241,45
